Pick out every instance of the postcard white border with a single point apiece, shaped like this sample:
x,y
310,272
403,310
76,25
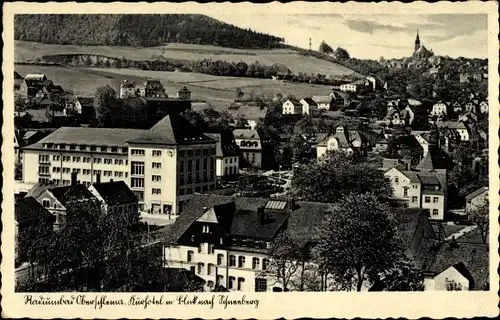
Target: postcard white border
x,y
272,305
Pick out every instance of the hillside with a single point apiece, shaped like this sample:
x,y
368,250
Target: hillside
x,y
136,30
31,51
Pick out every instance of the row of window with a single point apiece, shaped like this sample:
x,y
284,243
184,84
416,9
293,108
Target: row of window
x,y
197,153
63,146
87,160
231,259
202,189
434,199
138,167
230,160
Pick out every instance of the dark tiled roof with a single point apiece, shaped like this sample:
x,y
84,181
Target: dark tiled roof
x,y
436,158
85,101
115,193
470,259
17,76
172,130
28,210
295,102
70,193
429,180
246,134
226,146
476,193
310,101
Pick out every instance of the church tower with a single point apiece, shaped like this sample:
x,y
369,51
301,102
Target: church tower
x,y
417,43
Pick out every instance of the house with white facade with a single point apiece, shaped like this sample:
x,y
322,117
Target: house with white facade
x,y
227,154
439,110
323,102
483,106
457,126
115,197
292,106
309,106
476,199
344,140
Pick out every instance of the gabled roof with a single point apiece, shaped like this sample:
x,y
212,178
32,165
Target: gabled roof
x,y
412,175
322,99
28,210
70,193
309,101
226,146
246,134
436,158
295,102
17,76
172,130
476,193
115,193
429,180
86,101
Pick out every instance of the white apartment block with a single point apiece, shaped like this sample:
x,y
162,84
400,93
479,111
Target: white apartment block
x,y
163,165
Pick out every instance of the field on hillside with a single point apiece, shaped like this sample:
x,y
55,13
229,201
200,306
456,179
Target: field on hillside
x,y
218,91
30,51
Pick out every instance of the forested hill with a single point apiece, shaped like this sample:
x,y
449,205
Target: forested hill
x,y
137,30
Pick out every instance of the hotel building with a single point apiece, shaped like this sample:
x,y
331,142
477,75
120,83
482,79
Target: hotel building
x,y
163,165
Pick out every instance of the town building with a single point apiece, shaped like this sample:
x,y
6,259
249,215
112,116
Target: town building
x,y
476,199
225,239
357,86
152,89
115,197
323,102
483,106
345,140
128,89
471,77
439,110
163,165
292,106
404,147
420,52
227,155
457,126
309,106
251,147
184,94
32,84
420,190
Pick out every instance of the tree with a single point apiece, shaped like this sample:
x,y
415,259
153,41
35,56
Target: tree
x,y
358,241
337,175
480,216
106,105
341,54
404,276
325,48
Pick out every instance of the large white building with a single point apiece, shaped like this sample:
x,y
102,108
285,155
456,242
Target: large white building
x,y
227,154
225,240
163,165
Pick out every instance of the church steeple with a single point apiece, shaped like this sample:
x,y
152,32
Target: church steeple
x,y
417,42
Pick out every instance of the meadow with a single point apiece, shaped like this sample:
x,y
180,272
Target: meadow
x,y
219,92
31,51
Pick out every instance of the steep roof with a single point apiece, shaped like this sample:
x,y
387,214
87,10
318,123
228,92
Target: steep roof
x,y
310,101
115,193
470,259
69,193
226,146
476,193
322,99
86,101
295,102
412,175
28,210
436,158
172,130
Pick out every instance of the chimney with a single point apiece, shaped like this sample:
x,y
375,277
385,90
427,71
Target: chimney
x,y
74,181
98,178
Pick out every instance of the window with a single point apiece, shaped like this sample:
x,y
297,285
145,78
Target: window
x,y
255,263
219,280
119,161
137,182
241,282
189,190
427,199
190,153
265,263
200,248
260,285
190,254
414,199
192,269
211,249
137,152
197,189
405,192
210,269
156,153
139,195
232,260
137,168
396,180
435,199
156,178
182,192
108,161
46,203
206,229
220,257
435,212
231,283
200,267
241,261
414,186
156,191
156,165
198,153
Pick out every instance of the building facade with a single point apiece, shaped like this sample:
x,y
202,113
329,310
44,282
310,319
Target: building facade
x,y
250,145
227,155
292,107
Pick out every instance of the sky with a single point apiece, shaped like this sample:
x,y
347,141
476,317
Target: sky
x,y
375,36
